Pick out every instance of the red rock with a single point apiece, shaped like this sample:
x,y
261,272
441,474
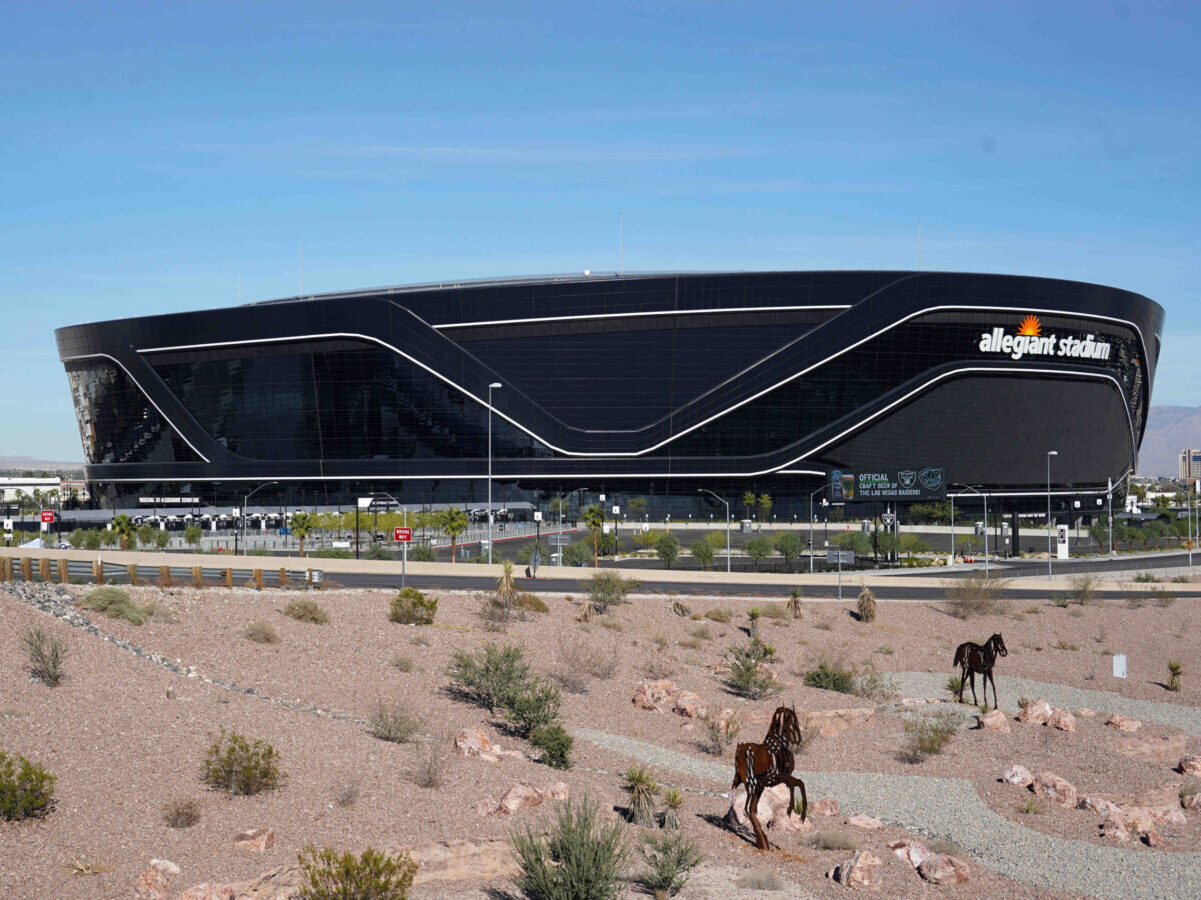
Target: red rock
x,y
557,791
1097,805
519,796
1063,720
151,885
861,870
1190,801
653,695
473,742
994,721
208,891
165,866
256,840
1153,838
792,823
1170,817
913,852
1037,712
1113,827
690,705
1123,723
488,807
1058,790
1190,765
773,805
944,869
827,806
868,822
1019,775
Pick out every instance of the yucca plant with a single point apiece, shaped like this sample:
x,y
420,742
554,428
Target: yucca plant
x,y
753,614
1175,670
643,789
866,605
794,603
673,800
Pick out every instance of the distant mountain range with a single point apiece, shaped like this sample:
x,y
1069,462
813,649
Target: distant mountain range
x,y
12,464
1170,429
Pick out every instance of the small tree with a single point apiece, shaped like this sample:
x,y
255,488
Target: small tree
x,y
161,539
607,587
594,519
637,507
301,524
192,535
452,521
667,549
146,535
856,541
702,552
912,543
790,546
758,549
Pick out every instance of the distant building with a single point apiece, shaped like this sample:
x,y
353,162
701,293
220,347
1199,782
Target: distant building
x,y
1189,465
11,489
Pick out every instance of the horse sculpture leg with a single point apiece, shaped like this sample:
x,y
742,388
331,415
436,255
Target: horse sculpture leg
x,y
975,702
752,803
993,678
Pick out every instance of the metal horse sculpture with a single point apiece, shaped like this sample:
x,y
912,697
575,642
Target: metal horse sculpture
x,y
760,766
972,658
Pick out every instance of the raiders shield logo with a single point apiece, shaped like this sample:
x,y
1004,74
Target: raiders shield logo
x,y
907,478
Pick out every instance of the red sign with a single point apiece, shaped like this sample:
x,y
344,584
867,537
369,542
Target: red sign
x,y
47,515
402,534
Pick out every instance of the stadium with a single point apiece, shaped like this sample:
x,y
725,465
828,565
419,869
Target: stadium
x,y
857,386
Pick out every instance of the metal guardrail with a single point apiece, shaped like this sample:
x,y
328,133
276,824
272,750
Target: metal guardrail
x,y
44,569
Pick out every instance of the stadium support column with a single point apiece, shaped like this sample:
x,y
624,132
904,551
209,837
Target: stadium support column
x,y
1013,519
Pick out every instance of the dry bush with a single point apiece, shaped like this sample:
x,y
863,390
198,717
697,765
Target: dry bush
x,y
392,722
866,605
977,594
701,633
346,794
431,766
876,686
945,847
260,633
306,610
761,880
777,611
46,655
157,611
1083,588
657,666
401,662
577,658
831,839
530,603
929,734
1065,645
690,643
718,614
720,734
611,623
181,813
238,766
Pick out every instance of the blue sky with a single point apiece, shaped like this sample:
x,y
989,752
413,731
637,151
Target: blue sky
x,y
157,157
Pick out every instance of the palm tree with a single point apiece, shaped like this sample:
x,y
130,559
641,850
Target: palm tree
x,y
765,504
594,519
748,500
124,528
453,521
301,524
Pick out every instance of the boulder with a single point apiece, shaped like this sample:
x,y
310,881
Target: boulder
x,y
1189,765
944,869
209,891
1019,775
773,804
473,742
832,721
994,721
557,791
256,840
1097,805
1037,712
869,822
165,866
1190,801
151,885
654,695
1150,749
1123,723
1063,720
460,860
1114,828
519,796
1152,838
1058,790
792,823
913,852
827,806
1170,817
690,705
282,883
861,870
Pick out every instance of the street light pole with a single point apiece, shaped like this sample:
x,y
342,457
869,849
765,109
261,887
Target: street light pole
x,y
984,497
707,491
812,548
493,386
245,500
1050,453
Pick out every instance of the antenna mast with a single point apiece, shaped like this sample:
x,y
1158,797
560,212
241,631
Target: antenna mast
x,y
621,244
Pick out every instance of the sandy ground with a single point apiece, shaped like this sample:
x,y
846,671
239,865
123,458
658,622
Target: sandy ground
x,y
121,747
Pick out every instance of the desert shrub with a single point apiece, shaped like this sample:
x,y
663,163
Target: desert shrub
x,y
46,655
555,744
1163,598
718,615
680,609
581,857
527,602
673,802
327,874
823,625
1032,807
884,650
976,594
761,879
831,839
643,788
533,705
720,734
377,551
753,614
260,633
747,677
701,633
490,676
411,607
181,813
331,553
157,611
1063,601
794,602
776,611
829,677
929,734
240,767
26,789
1083,588
1146,578
1175,670
392,722
866,606
423,553
577,658
876,686
431,763
1065,645
668,859
306,610
401,662
347,794
954,685
606,588
114,603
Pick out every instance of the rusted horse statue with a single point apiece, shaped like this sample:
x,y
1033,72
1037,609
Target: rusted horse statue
x,y
972,658
760,766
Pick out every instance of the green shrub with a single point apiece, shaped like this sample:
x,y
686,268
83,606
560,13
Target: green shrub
x,y
392,722
527,602
673,802
411,607
261,633
236,765
1175,671
928,734
606,588
643,788
580,858
331,553
1083,588
181,813
26,789
977,594
555,744
490,676
379,552
114,603
423,553
533,705
955,685
830,677
747,677
306,610
720,733
372,875
46,655
668,858
1063,601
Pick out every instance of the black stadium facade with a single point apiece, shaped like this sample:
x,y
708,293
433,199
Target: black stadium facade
x,y
647,385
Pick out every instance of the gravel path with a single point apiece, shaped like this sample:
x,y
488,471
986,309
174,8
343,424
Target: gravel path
x,y
950,808
1009,689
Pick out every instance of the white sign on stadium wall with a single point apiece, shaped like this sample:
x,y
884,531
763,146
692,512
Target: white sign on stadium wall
x,y
1030,341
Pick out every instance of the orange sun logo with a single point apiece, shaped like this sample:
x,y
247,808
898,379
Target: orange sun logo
x,y
1030,326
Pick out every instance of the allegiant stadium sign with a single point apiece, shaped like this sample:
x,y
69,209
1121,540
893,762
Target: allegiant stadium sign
x,y
1030,341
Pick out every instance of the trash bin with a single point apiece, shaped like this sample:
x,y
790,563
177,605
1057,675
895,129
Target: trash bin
x,y
744,526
